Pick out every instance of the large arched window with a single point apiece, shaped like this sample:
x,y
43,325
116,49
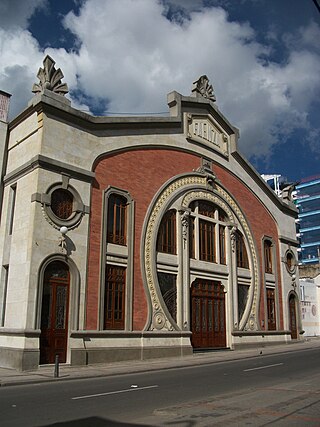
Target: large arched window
x,y
166,241
207,232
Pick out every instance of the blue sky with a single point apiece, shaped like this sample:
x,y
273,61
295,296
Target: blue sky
x,y
124,56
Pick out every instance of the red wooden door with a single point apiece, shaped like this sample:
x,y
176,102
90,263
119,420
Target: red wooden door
x,y
54,315
208,314
293,317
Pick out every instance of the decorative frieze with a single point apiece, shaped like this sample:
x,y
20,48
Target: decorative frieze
x,y
203,129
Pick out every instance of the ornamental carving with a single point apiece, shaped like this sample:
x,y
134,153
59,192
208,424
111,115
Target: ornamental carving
x,y
160,319
185,225
233,238
203,88
252,322
50,78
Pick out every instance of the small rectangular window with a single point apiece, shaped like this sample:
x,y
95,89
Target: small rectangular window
x,y
168,288
117,220
207,241
114,298
192,240
222,244
166,241
241,251
271,309
268,256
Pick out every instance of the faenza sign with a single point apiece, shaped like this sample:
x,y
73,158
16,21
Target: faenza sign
x,y
205,130
202,129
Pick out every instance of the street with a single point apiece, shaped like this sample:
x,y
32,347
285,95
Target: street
x,y
281,390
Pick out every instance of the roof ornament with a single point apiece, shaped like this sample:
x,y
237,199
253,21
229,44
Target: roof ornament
x,y
50,78
202,87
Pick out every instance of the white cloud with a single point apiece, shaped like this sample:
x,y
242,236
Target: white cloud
x,y
16,13
131,55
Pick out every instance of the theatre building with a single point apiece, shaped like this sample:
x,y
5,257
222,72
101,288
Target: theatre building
x,y
126,238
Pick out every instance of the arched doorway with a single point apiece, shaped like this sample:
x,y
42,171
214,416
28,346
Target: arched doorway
x,y
54,313
208,319
293,317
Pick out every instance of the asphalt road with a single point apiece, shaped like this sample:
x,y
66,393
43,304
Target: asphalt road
x,y
282,389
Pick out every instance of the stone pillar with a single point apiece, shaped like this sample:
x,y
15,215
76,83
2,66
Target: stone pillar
x,y
184,269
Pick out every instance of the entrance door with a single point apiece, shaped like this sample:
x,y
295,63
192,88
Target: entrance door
x,y
293,317
208,314
54,314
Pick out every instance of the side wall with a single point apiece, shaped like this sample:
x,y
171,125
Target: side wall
x,y
142,172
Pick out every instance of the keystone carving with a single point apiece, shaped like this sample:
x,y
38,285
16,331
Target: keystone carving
x,y
202,87
50,78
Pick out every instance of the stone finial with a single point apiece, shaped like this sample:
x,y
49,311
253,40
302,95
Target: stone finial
x,y
50,78
202,87
286,193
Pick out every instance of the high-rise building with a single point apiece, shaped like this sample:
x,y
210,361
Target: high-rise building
x,y
308,230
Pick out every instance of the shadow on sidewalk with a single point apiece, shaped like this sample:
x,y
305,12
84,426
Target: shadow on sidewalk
x,y
93,422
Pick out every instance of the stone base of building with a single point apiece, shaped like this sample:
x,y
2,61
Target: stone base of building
x,y
19,348
89,348
94,347
104,355
20,359
251,339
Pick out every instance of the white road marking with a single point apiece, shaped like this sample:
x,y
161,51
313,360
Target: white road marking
x,y
113,392
262,367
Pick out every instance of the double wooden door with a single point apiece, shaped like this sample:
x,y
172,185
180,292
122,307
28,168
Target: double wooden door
x,y
208,314
54,314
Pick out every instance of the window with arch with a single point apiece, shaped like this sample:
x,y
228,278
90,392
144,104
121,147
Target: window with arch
x,y
117,219
207,232
117,258
241,251
267,246
167,239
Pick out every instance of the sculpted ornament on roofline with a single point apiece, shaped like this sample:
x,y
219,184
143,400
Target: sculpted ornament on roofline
x,y
202,87
50,78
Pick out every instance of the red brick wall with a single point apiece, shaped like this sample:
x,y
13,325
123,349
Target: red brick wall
x,y
142,173
260,222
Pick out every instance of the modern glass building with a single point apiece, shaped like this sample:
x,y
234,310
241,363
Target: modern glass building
x,y
308,223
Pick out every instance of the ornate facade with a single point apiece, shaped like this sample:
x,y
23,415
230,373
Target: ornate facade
x,y
137,237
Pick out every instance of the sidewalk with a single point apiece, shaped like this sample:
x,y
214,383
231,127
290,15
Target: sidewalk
x,y
66,372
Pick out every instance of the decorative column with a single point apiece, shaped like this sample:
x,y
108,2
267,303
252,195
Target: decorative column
x,y
184,269
232,264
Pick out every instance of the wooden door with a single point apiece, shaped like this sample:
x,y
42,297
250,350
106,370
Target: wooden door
x,y
54,314
293,317
208,314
